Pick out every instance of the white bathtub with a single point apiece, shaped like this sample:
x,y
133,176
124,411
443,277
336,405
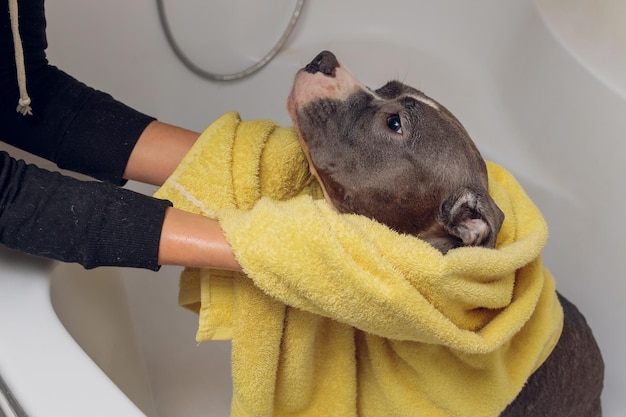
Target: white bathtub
x,y
557,122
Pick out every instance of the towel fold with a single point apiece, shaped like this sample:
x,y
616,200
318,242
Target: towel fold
x,y
338,315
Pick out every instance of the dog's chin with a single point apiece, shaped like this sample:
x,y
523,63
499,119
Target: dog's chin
x,y
314,172
291,107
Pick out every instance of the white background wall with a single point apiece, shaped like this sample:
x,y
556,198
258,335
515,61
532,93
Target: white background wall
x,y
528,104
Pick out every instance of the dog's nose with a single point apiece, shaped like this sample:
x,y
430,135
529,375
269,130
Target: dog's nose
x,y
325,62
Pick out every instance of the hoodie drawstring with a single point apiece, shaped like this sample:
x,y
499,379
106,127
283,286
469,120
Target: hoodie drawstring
x,y
23,106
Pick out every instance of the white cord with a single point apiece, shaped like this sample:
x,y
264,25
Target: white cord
x,y
237,75
23,105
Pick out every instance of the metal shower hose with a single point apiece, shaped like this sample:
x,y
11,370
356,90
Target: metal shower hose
x,y
236,75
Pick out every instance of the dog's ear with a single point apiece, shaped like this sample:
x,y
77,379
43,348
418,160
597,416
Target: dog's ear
x,y
471,215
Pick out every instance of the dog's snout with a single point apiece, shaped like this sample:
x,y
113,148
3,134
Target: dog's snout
x,y
323,78
325,62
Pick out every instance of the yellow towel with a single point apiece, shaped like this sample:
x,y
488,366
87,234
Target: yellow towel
x,y
338,315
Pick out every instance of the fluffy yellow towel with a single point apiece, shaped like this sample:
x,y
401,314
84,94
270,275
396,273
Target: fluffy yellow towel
x,y
338,315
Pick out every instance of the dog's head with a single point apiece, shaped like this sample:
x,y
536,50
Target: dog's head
x,y
394,155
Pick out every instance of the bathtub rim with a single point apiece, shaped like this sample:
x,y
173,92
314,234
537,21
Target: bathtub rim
x,y
45,369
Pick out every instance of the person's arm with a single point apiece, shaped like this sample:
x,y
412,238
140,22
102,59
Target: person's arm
x,y
98,224
158,152
192,240
93,223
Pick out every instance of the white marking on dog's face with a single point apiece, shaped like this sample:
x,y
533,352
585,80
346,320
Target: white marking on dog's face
x,y
426,101
422,99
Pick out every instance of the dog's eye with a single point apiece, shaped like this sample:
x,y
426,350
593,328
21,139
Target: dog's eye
x,y
394,123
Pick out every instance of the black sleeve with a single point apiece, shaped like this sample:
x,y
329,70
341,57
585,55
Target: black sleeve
x,y
93,223
73,125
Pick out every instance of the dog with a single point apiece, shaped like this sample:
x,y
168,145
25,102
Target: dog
x,y
401,158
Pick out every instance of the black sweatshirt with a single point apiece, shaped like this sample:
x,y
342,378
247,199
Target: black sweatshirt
x,y
94,223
